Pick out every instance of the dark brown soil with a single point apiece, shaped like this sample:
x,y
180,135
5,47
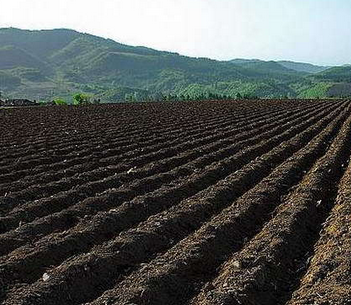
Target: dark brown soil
x,y
235,202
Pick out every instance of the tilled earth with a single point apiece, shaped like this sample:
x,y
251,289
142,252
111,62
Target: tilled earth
x,y
236,202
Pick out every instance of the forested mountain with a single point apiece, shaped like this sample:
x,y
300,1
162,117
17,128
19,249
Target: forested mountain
x,y
57,63
336,74
302,67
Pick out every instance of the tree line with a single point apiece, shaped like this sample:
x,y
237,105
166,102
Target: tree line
x,y
161,97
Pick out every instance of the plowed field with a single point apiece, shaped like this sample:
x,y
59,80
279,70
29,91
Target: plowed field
x,y
238,202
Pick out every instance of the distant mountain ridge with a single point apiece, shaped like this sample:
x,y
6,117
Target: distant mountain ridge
x,y
292,65
57,63
303,67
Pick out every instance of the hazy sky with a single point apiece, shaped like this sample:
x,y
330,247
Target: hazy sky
x,y
316,31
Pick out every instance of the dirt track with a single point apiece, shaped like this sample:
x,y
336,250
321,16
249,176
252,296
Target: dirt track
x,y
182,203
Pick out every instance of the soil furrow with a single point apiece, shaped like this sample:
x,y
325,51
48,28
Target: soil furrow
x,y
327,280
201,119
267,268
152,181
68,218
211,202
307,134
191,262
28,212
46,163
35,193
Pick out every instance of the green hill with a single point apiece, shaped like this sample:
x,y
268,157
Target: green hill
x,y
41,43
333,82
13,57
52,63
335,74
302,67
8,81
270,69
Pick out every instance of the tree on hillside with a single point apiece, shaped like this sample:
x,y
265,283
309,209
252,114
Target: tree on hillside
x,y
81,99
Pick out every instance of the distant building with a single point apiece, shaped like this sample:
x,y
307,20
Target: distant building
x,y
17,102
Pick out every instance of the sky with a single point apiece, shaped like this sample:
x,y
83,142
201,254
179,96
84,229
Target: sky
x,y
315,31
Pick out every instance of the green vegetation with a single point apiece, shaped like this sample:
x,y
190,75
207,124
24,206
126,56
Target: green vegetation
x,y
60,102
29,74
81,99
302,67
42,65
8,81
316,91
336,74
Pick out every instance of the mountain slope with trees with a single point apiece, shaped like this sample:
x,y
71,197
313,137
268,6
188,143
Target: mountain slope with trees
x,y
48,64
